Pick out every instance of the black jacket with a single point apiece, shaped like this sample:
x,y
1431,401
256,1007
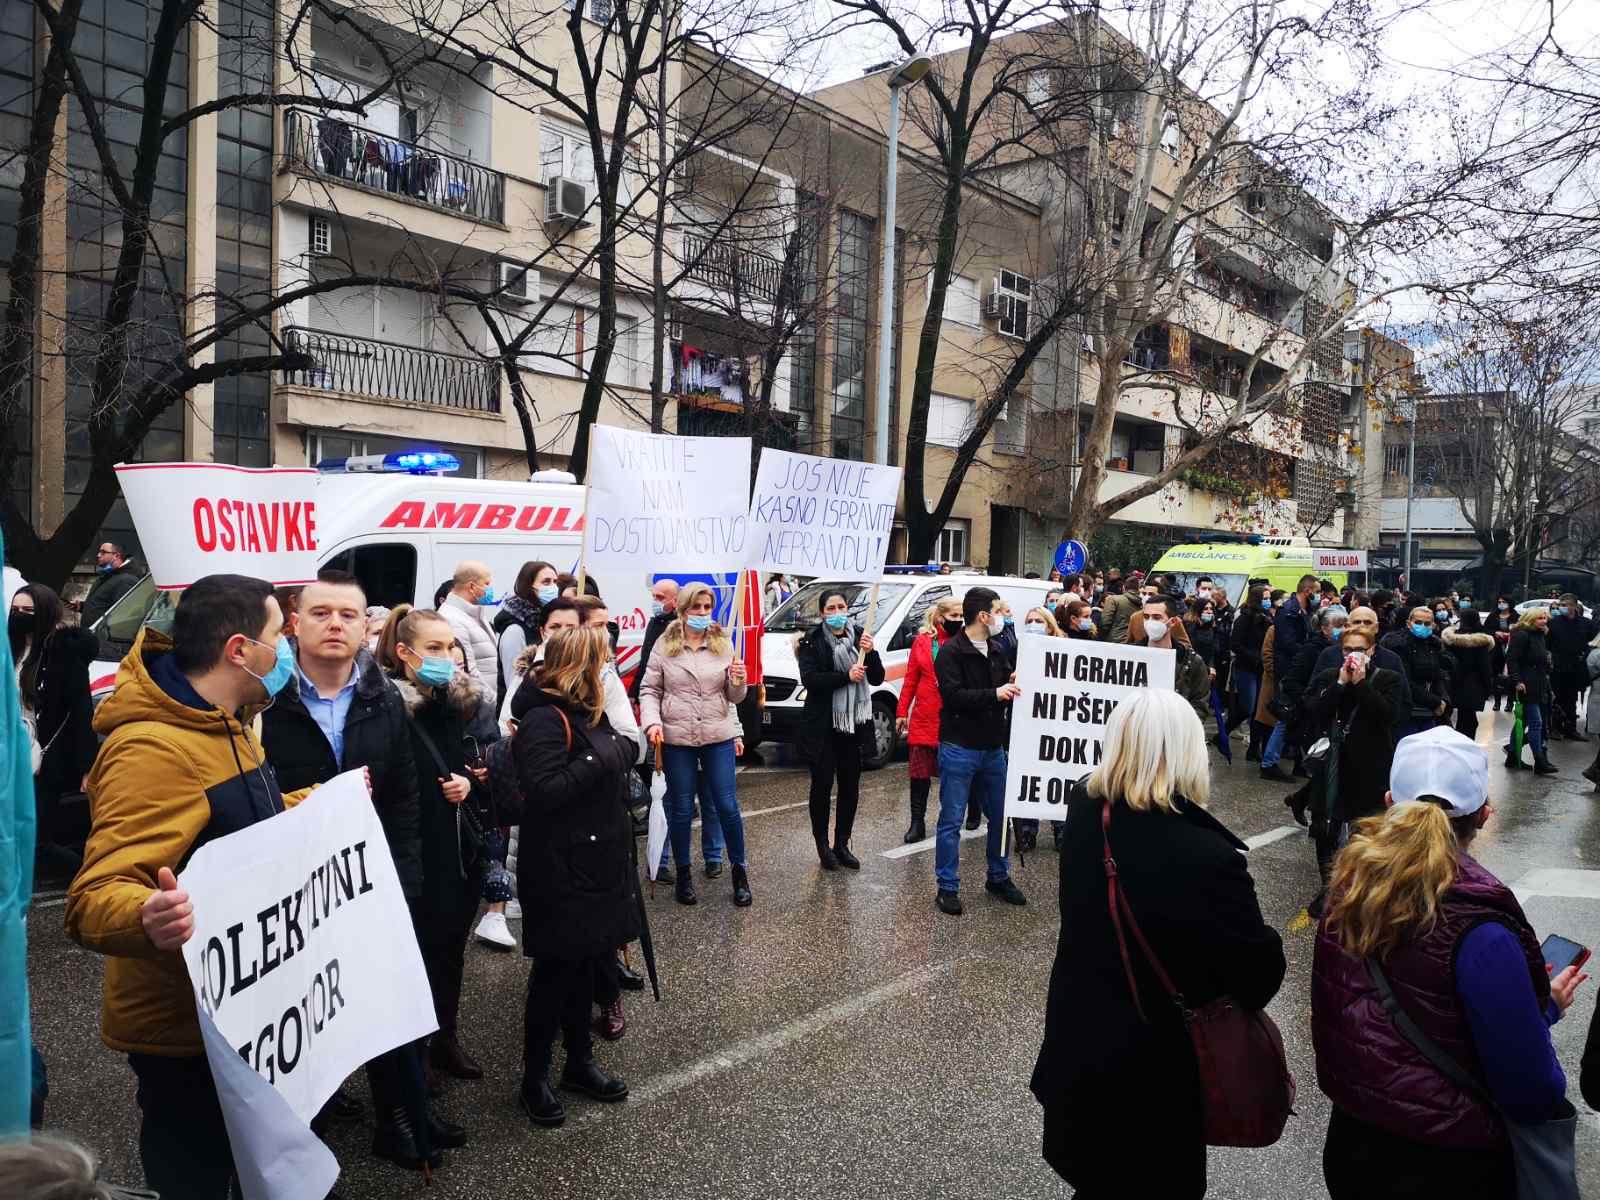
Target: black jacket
x,y
1249,631
970,714
821,677
1473,681
1293,624
450,861
377,737
1371,714
575,874
1568,639
1006,642
1189,885
1429,669
1528,662
64,712
656,627
106,590
1204,638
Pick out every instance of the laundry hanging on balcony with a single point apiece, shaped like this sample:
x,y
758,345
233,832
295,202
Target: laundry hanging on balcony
x,y
706,373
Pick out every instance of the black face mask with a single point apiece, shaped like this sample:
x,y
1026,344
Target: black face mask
x,y
18,626
952,628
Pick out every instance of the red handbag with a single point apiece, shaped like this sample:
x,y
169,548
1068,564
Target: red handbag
x,y
1246,1087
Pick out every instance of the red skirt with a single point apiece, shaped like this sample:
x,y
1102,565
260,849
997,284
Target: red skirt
x,y
924,762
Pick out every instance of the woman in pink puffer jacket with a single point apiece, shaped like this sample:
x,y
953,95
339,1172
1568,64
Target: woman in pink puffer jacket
x,y
687,705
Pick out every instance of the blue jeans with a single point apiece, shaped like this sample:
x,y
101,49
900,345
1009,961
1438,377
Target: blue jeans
x,y
980,774
708,770
1533,727
710,827
1248,688
1274,750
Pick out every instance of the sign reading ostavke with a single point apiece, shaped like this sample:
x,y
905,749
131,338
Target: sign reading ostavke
x,y
198,519
1070,688
304,962
821,516
661,502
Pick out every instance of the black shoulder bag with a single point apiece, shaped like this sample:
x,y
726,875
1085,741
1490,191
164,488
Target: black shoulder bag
x,y
1545,1152
472,831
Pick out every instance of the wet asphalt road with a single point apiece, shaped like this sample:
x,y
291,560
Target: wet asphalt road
x,y
841,1037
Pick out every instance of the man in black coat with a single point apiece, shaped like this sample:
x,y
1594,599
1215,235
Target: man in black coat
x,y
342,713
664,611
1294,619
1569,638
1429,669
975,694
114,578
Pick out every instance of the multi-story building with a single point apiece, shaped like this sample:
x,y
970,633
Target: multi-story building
x,y
1381,373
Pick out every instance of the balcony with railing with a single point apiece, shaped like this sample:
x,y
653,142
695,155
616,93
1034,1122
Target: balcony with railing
x,y
333,148
738,272
391,371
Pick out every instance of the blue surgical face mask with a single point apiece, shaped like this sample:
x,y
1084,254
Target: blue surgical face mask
x,y
657,608
1266,603
282,670
436,672
1442,615
1313,600
1034,627
547,593
489,598
1007,619
1208,617
1418,629
700,622
1466,606
1085,624
105,568
1557,611
836,621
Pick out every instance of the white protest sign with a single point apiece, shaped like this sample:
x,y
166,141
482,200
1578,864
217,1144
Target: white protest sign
x,y
304,962
821,516
1324,558
198,519
659,502
1070,688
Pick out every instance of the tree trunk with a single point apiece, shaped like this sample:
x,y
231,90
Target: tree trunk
x,y
1086,515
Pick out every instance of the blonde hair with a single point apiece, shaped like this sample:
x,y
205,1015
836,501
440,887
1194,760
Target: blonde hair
x,y
401,629
1526,620
672,638
1388,881
931,619
1043,613
1155,750
573,661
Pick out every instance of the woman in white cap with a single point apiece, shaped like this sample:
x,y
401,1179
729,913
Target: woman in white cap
x,y
1431,1003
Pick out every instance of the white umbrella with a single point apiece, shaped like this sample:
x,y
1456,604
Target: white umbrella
x,y
657,839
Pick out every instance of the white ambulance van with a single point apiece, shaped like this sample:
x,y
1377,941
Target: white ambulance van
x,y
903,602
401,531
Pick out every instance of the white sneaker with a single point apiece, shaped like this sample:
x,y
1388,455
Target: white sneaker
x,y
513,910
492,931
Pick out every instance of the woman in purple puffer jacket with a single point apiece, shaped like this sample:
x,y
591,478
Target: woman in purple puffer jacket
x,y
1464,965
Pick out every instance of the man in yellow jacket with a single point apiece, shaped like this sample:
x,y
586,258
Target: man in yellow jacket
x,y
179,767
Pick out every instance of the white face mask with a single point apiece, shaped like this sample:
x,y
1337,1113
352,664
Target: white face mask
x,y
1204,593
1155,630
1035,627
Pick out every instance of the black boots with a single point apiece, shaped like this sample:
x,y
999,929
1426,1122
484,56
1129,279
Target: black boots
x,y
841,853
1513,761
587,1078
917,831
741,888
825,856
1542,764
449,1058
395,1140
685,889
541,1104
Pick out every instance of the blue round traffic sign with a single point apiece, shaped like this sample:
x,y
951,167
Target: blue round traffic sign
x,y
1071,557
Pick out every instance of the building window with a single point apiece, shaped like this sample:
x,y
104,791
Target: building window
x,y
849,419
1169,138
949,420
1012,298
1036,86
961,303
953,543
599,11
1395,459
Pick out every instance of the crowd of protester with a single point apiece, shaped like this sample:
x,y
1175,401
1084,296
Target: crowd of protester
x,y
495,732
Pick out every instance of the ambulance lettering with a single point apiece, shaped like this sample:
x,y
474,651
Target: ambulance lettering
x,y
444,514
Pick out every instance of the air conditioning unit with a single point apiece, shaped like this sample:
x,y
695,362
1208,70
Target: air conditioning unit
x,y
566,201
997,304
518,284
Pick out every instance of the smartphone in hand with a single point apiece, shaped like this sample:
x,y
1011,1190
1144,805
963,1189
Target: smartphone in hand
x,y
1560,953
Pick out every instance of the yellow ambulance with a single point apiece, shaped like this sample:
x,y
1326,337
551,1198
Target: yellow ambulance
x,y
1231,565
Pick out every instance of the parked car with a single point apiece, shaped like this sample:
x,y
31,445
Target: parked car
x,y
903,603
1545,602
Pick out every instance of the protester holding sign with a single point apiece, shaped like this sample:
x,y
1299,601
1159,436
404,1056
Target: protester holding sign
x,y
179,766
976,691
688,707
415,651
839,667
917,717
575,875
341,715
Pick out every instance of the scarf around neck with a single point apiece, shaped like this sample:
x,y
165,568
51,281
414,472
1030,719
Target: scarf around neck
x,y
852,704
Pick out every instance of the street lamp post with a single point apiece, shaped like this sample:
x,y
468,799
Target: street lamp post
x,y
906,74
1411,486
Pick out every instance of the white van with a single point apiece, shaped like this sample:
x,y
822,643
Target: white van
x,y
903,603
403,534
